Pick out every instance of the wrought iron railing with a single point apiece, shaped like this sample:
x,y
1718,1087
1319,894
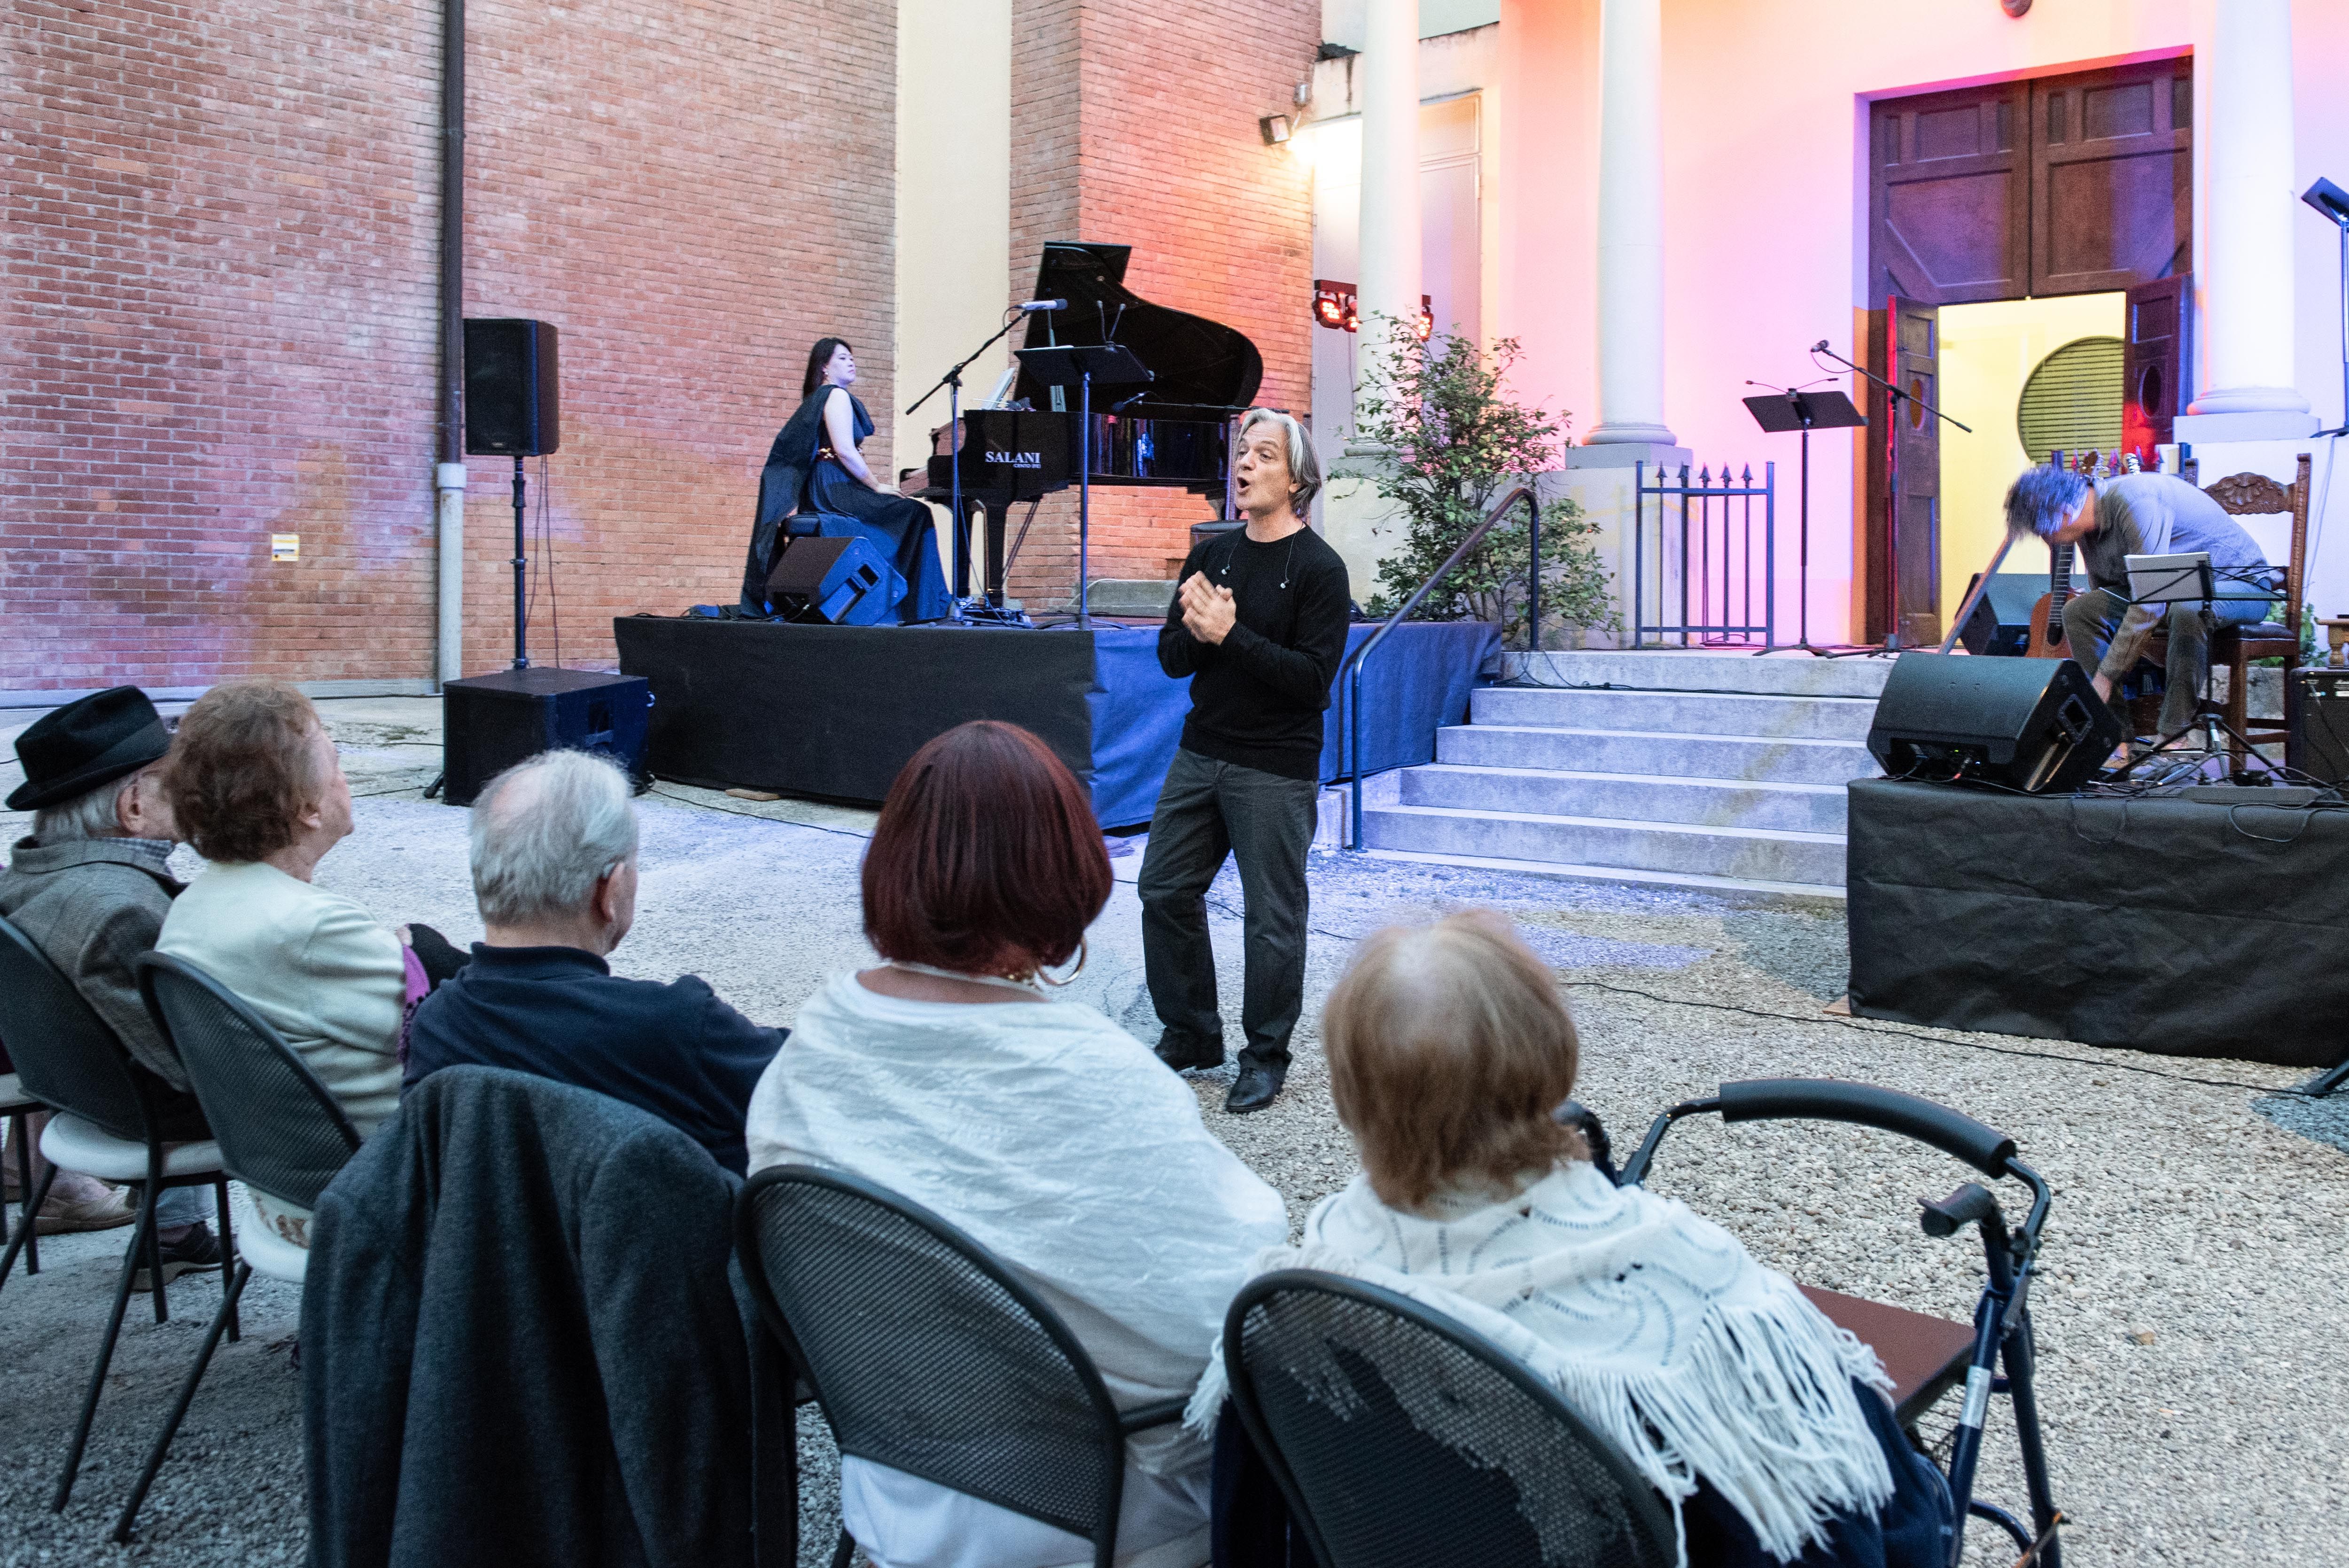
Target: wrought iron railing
x,y
1349,673
1705,589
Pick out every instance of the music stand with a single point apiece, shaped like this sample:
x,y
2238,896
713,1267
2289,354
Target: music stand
x,y
1110,365
1805,411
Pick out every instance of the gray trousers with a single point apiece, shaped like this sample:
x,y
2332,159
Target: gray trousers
x,y
2090,620
1206,811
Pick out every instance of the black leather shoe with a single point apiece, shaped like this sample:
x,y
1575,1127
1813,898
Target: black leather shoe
x,y
1184,1051
1258,1087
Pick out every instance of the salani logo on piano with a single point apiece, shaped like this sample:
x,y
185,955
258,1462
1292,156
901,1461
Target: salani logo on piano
x,y
1016,459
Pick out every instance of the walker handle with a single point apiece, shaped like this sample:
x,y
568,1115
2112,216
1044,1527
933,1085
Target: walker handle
x,y
1839,1099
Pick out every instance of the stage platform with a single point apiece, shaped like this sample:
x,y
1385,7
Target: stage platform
x,y
833,712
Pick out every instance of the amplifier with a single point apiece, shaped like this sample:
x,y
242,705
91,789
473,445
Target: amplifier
x,y
492,722
2001,623
2318,742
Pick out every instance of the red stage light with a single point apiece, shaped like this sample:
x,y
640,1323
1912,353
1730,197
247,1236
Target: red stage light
x,y
1333,305
1426,324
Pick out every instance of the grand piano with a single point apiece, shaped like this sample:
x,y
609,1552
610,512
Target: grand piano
x,y
1174,433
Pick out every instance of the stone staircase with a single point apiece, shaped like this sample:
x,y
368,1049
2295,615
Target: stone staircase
x,y
1713,770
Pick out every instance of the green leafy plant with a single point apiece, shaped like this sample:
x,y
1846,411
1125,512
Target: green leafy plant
x,y
1456,440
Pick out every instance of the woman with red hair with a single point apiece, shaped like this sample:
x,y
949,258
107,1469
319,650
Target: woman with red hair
x,y
949,1075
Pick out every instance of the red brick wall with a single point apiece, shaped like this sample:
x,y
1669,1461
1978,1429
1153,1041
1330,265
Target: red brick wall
x,y
1150,141
220,255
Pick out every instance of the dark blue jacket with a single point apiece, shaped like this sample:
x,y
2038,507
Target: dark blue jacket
x,y
559,1013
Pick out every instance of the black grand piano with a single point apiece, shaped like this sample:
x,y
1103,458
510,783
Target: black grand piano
x,y
1175,433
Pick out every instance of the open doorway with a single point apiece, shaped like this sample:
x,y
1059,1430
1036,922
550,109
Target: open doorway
x,y
2032,193
2066,354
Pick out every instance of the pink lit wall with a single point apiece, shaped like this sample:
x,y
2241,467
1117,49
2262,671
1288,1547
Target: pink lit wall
x,y
1765,110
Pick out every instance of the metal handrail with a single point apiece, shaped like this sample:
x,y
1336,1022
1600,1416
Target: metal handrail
x,y
1349,673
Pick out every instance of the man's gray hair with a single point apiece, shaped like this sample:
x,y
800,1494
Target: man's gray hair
x,y
2043,500
545,831
92,814
1304,466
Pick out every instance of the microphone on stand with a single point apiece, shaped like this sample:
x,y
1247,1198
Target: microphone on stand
x,y
1031,306
1820,346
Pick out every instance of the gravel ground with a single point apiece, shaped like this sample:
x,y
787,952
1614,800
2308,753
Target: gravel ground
x,y
2189,1320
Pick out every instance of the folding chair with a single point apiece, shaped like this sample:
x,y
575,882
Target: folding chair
x,y
105,1127
281,1132
1401,1439
16,1105
1925,1355
928,1356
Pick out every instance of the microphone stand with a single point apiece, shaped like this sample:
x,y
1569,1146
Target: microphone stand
x,y
952,382
1894,396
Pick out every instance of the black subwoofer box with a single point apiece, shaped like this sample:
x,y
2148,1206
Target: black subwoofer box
x,y
492,722
2318,744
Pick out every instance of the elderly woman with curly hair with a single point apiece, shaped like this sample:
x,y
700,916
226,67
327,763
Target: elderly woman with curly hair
x,y
257,788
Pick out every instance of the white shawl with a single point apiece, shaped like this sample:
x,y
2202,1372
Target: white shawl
x,y
1056,1140
1652,1322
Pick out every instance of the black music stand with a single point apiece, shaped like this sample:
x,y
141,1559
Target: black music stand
x,y
1805,411
1083,367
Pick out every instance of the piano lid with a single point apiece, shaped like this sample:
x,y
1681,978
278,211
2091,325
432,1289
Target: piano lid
x,y
1203,367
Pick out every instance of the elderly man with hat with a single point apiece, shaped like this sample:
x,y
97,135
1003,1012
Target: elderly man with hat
x,y
91,887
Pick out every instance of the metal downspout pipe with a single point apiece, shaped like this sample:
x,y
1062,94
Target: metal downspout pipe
x,y
448,470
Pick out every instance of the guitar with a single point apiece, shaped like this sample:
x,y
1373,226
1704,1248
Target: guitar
x,y
2046,637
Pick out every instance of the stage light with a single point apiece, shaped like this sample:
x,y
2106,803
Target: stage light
x,y
1274,128
1425,325
1334,305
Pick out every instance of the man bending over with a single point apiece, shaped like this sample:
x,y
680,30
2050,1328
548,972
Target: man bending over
x,y
554,873
2141,514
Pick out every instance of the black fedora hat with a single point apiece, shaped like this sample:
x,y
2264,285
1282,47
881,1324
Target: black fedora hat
x,y
84,744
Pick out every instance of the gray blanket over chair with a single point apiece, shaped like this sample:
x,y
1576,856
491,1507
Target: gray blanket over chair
x,y
519,1346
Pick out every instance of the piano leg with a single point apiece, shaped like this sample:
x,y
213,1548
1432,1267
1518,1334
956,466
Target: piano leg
x,y
994,556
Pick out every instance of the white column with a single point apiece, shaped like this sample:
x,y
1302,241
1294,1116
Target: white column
x,y
448,621
2244,148
1390,234
1631,224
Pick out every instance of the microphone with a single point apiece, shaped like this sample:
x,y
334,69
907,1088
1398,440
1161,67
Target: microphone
x,y
1820,346
1030,306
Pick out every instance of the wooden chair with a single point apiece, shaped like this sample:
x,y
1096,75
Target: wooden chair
x,y
2233,648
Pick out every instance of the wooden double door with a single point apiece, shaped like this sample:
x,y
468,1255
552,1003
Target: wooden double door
x,y
2080,183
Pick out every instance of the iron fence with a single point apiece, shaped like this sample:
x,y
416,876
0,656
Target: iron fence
x,y
1712,587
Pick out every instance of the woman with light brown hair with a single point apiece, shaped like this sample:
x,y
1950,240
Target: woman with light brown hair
x,y
1450,1053
258,789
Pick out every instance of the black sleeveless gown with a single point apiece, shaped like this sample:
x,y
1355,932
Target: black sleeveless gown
x,y
803,477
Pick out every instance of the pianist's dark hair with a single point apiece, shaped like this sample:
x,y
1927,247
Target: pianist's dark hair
x,y
818,357
2041,499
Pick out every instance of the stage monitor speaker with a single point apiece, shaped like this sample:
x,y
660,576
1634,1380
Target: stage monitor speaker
x,y
2030,725
512,380
843,582
2318,742
2001,623
490,722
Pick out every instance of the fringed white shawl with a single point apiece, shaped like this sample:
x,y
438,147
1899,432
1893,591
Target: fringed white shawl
x,y
1652,1322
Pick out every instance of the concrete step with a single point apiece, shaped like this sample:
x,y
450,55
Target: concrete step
x,y
1610,873
1777,675
1741,758
1628,797
1677,713
1762,855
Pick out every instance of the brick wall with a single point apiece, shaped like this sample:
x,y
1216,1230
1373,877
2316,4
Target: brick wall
x,y
220,257
1134,122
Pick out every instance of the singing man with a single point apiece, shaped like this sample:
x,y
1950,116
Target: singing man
x,y
2141,514
1258,624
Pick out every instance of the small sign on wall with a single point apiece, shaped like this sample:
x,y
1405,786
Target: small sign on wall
x,y
285,547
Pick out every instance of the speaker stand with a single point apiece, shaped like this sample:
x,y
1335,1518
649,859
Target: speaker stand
x,y
522,569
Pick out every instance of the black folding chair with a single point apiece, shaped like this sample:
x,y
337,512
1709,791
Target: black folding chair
x,y
105,1127
930,1357
1400,1438
1926,1355
281,1131
16,1105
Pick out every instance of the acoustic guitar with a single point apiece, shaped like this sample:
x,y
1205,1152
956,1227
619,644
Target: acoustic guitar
x,y
2046,638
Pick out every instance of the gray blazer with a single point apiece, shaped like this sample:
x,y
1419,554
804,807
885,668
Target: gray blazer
x,y
94,906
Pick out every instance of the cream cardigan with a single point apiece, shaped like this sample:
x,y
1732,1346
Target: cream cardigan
x,y
323,972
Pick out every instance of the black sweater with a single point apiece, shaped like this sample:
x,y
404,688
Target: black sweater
x,y
1256,698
